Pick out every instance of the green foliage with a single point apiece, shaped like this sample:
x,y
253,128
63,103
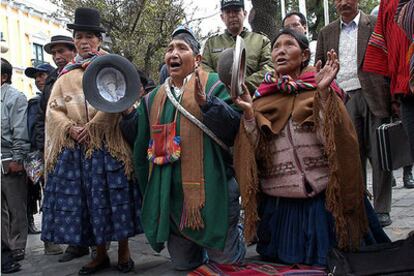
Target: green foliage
x,y
138,29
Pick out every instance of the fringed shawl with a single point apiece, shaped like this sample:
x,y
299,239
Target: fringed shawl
x,y
67,107
345,190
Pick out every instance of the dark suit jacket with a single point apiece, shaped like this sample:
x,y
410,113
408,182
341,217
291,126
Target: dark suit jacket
x,y
39,126
375,88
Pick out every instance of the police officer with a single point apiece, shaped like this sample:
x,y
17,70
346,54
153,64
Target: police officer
x,y
258,59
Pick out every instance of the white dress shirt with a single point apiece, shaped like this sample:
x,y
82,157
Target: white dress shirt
x,y
348,41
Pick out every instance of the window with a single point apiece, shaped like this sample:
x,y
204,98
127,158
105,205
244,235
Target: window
x,y
38,57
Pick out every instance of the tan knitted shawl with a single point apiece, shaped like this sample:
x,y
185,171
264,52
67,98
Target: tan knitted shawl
x,y
67,107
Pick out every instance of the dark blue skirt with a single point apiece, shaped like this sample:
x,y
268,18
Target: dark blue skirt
x,y
89,201
302,230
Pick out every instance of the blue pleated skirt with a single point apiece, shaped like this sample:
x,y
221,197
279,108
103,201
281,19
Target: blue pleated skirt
x,y
303,231
89,201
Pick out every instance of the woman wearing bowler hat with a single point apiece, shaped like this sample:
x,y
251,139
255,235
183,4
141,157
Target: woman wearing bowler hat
x,y
90,196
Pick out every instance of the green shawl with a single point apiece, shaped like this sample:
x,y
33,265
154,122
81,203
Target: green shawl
x,y
161,186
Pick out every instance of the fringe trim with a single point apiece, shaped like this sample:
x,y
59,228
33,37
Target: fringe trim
x,y
349,227
247,177
61,139
191,216
333,190
114,143
106,130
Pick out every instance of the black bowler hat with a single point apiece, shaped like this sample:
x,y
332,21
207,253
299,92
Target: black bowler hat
x,y
87,19
59,39
111,83
232,3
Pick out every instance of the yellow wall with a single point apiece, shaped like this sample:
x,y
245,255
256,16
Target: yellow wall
x,y
21,27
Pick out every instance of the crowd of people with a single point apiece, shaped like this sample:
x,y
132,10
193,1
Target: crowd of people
x,y
284,165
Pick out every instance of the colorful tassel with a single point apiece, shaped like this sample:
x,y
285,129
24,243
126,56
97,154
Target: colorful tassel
x,y
174,152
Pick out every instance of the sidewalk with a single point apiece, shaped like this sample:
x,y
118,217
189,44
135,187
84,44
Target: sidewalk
x,y
147,262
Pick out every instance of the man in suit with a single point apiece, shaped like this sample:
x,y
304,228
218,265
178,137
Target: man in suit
x,y
369,104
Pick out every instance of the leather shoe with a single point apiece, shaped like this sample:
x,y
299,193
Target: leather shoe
x,y
393,182
126,267
32,230
384,219
52,248
10,268
87,270
18,254
408,180
73,252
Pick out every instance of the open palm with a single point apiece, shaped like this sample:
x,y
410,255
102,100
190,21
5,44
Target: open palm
x,y
327,74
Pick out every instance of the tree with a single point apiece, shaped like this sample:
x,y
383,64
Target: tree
x,y
263,17
266,14
138,29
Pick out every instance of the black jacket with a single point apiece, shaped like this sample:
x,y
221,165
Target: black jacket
x,y
32,110
39,127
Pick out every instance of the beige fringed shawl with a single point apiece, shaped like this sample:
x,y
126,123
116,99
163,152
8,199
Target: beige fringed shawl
x,y
66,108
345,190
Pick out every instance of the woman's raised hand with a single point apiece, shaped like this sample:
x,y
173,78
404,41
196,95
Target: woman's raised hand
x,y
245,102
199,93
327,74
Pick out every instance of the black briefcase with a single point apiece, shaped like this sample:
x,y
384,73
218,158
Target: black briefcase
x,y
394,148
394,258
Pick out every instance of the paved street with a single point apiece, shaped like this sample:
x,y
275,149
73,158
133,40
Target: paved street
x,y
147,262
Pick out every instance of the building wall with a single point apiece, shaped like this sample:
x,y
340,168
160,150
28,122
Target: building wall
x,y
22,25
